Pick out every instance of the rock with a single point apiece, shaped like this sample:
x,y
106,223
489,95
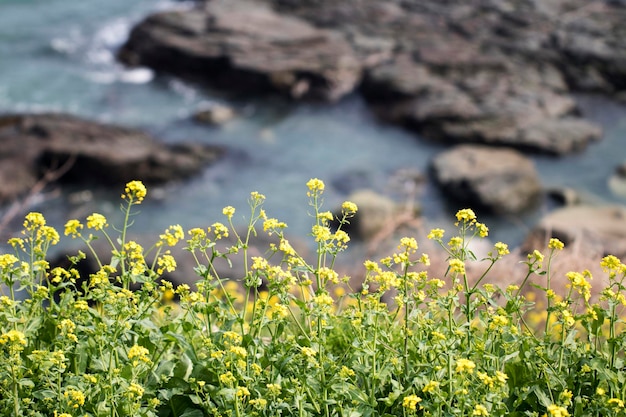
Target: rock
x,y
216,115
500,180
482,71
244,45
597,230
617,181
98,153
375,212
560,136
567,196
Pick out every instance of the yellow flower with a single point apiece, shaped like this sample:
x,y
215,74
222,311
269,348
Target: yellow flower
x,y
96,221
349,207
536,256
557,411
228,378
72,227
321,233
243,392
456,242
239,351
483,230
274,389
480,410
466,216
555,244
616,402
371,266
580,284
346,372
408,243
501,248
135,390
342,238
328,275
14,338
325,216
435,234
315,185
256,197
141,353
308,352
228,211
465,365
259,403
231,337
610,262
323,300
74,397
166,263
431,386
410,402
219,230
457,265
34,220
273,225
134,192
172,235
7,260
501,377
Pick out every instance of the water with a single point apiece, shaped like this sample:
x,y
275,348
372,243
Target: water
x,y
59,55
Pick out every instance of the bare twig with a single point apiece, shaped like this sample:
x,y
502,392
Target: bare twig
x,y
51,175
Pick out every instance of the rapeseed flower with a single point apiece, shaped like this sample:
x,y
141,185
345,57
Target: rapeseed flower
x,y
480,410
134,192
466,216
316,186
410,402
96,221
465,366
72,228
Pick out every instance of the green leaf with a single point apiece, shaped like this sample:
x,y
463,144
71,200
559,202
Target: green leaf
x,y
543,398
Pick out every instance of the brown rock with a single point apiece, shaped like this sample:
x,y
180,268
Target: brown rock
x,y
500,180
243,45
596,230
99,153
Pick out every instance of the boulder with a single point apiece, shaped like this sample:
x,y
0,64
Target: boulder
x,y
595,230
465,72
375,212
500,180
243,45
215,115
95,153
617,181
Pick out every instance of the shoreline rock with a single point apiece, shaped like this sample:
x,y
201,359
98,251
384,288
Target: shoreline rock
x,y
97,153
502,181
496,73
244,45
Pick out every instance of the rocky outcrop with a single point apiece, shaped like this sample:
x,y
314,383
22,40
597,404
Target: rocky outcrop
x,y
617,181
215,115
245,46
482,71
95,153
500,180
594,230
375,212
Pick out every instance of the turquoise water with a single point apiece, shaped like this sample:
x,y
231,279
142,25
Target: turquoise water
x,y
58,55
